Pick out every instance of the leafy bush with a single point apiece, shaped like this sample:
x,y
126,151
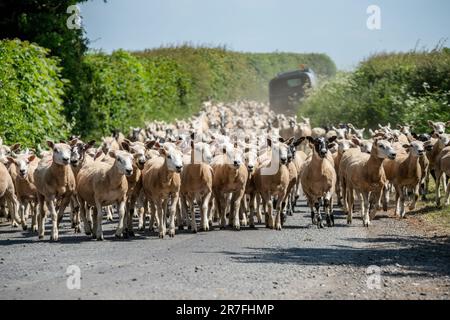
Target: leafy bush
x,y
387,88
31,93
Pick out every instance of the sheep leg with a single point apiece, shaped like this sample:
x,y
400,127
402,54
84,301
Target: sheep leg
x,y
98,219
416,197
327,202
154,216
109,213
221,209
184,212
22,210
41,217
366,205
438,187
258,208
51,206
243,210
204,212
34,217
350,197
447,195
87,224
192,214
252,211
235,206
160,205
120,232
172,211
279,210
268,202
181,216
318,215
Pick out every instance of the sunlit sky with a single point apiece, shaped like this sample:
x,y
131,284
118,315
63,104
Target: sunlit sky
x,y
337,28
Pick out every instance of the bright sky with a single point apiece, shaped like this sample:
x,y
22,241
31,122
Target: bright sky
x,y
337,28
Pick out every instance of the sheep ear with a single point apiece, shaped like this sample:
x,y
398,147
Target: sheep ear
x,y
10,160
269,142
112,154
406,146
414,135
280,139
310,139
356,141
150,144
126,146
98,154
430,123
73,142
162,151
63,141
31,158
332,139
90,144
299,141
50,144
192,144
447,124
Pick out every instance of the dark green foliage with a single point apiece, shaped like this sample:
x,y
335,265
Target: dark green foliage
x,y
31,93
387,88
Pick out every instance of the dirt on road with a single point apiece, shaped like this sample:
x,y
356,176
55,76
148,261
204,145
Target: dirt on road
x,y
393,259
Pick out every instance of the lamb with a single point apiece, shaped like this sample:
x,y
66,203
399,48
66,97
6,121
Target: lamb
x,y
161,182
318,180
433,155
364,174
102,184
230,178
196,184
272,180
252,163
24,166
405,173
54,181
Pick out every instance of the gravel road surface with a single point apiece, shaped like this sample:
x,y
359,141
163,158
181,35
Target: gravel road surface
x,y
300,262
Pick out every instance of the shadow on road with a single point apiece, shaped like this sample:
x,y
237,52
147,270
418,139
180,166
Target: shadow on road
x,y
429,256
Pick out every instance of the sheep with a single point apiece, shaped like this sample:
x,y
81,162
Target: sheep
x,y
288,130
438,127
318,180
364,174
358,133
161,182
230,179
109,144
440,165
433,155
443,166
272,180
24,166
295,163
252,163
405,172
102,184
196,184
54,181
78,159
342,146
7,193
137,135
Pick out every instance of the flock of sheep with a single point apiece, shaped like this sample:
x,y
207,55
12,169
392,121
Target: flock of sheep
x,y
235,163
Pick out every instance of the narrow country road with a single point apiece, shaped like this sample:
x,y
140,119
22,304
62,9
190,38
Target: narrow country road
x,y
300,262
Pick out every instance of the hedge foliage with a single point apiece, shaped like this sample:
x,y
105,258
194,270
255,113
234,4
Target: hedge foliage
x,y
31,94
393,88
123,89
